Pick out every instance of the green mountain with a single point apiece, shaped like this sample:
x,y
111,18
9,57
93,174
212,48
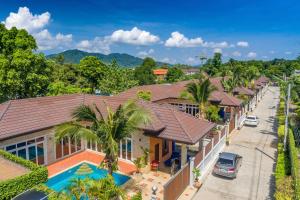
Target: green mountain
x,y
125,60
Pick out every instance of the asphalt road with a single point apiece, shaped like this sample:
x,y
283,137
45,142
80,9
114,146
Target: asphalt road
x,y
257,146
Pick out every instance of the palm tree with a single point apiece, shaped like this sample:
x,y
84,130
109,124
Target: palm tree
x,y
106,131
78,189
230,84
83,189
105,189
199,92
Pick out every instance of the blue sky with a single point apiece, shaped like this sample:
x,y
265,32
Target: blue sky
x,y
172,31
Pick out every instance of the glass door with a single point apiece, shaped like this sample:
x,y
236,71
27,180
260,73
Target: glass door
x,y
32,153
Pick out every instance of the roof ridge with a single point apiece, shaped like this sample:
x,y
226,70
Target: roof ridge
x,y
5,109
173,111
229,97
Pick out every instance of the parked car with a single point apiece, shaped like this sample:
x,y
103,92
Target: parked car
x,y
227,165
251,120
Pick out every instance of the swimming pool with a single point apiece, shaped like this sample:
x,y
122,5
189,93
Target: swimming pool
x,y
62,180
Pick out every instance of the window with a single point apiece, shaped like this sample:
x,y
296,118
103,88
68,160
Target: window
x,y
92,145
192,109
125,151
32,150
165,147
67,146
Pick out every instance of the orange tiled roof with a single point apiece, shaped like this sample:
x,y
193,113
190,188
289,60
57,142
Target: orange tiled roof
x,y
160,71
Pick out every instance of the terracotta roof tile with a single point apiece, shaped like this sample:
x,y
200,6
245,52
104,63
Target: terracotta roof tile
x,y
29,115
243,90
166,91
160,71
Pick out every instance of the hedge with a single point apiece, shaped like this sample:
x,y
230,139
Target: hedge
x,y
283,180
12,187
293,153
280,134
281,119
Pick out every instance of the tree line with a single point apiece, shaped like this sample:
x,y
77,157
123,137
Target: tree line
x,y
26,73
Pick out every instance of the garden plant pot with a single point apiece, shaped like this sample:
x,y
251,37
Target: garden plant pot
x,y
197,184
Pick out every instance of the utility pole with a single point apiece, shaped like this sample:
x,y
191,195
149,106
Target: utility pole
x,y
286,125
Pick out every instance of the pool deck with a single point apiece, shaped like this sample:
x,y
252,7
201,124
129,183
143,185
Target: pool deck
x,y
88,156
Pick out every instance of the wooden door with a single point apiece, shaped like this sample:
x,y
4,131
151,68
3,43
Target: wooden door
x,y
156,152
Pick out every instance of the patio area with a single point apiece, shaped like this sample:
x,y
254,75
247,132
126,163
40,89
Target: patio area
x,y
10,170
89,156
145,181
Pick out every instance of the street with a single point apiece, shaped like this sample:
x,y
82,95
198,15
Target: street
x,y
257,146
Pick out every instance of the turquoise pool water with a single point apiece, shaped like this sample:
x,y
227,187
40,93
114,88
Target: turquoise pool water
x,y
62,180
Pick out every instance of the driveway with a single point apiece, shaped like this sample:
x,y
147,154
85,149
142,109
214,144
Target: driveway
x,y
257,146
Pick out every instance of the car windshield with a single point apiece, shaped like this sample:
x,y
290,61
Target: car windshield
x,y
251,118
223,161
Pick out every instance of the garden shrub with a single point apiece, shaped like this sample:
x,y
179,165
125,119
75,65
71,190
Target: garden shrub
x,y
137,196
283,163
12,187
281,119
280,134
284,189
293,153
281,108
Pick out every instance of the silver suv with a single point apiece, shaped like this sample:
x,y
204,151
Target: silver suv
x,y
228,165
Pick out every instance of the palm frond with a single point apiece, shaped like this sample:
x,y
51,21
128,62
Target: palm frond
x,y
74,130
84,113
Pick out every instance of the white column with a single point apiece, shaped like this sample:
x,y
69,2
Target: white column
x,y
192,166
183,154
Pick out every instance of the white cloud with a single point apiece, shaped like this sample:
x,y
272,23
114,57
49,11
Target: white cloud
x,y
219,45
251,55
46,41
272,52
98,44
217,50
236,54
179,40
192,61
35,24
168,60
24,19
135,37
242,44
144,54
288,53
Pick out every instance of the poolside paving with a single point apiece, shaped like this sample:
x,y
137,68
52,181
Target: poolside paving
x,y
10,169
148,180
89,156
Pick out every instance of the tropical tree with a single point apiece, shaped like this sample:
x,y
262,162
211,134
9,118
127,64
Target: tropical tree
x,y
144,73
230,84
174,74
83,189
199,92
145,95
116,79
78,188
105,189
212,113
107,131
23,73
92,69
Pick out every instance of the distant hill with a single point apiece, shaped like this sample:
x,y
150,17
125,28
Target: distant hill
x,y
124,60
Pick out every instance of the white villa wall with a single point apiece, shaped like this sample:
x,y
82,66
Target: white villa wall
x,y
139,140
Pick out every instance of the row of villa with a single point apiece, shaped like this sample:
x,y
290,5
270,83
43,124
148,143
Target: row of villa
x,y
27,129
